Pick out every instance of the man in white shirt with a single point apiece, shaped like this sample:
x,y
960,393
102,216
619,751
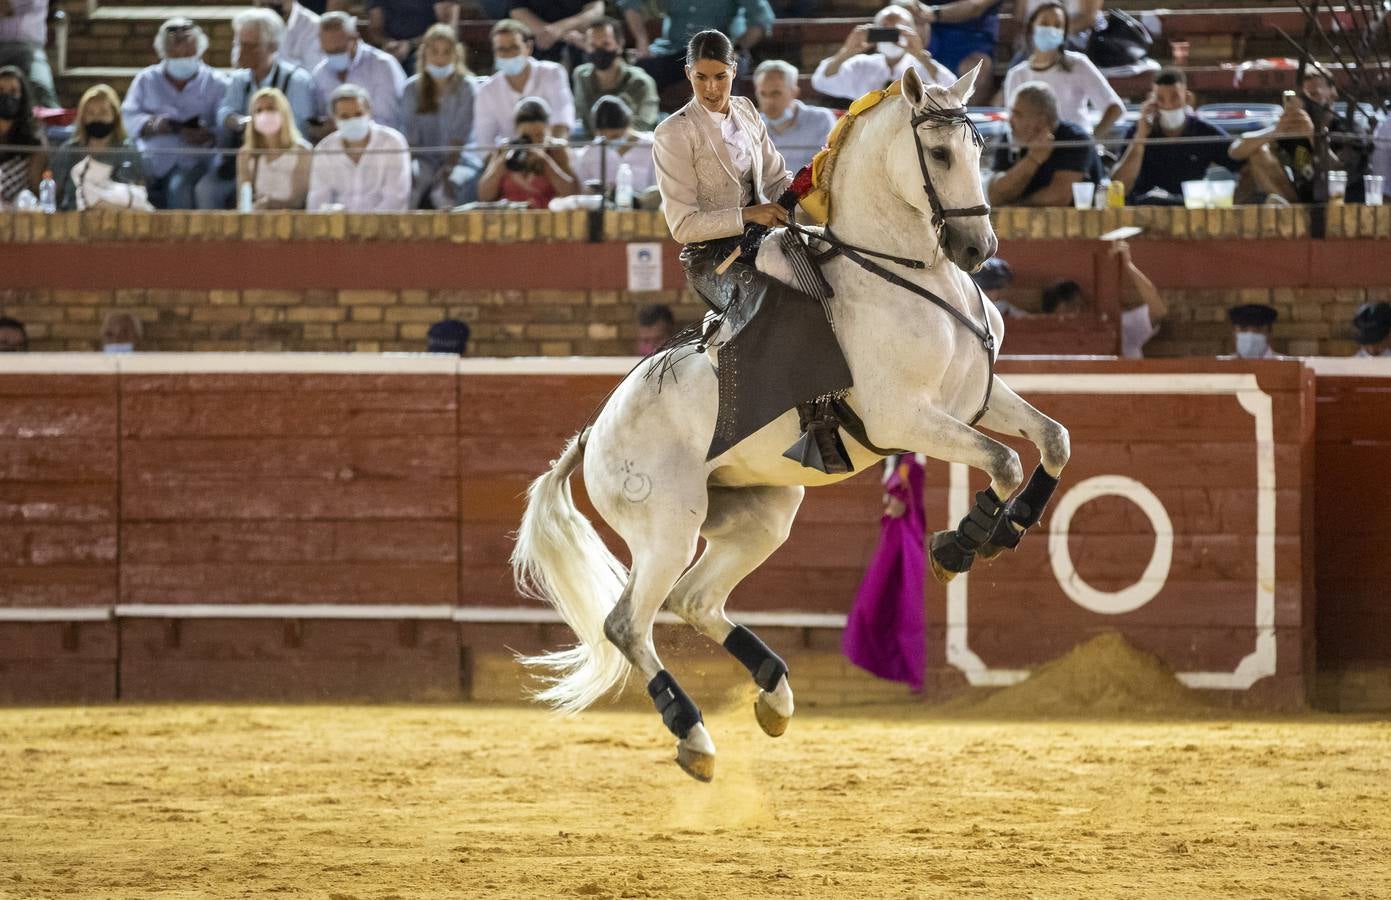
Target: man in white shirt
x,y
1251,327
301,42
613,121
518,76
855,71
351,171
350,60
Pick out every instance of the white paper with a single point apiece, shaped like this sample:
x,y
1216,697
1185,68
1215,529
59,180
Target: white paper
x,y
644,267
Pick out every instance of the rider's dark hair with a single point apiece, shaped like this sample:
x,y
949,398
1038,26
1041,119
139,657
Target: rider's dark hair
x,y
1058,293
1064,62
710,44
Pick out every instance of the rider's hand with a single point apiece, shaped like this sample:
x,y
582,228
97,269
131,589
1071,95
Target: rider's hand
x,y
770,214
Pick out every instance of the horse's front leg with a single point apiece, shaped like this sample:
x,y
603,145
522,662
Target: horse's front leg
x,y
1011,414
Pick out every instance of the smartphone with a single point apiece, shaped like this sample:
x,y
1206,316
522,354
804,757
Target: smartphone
x,y
884,35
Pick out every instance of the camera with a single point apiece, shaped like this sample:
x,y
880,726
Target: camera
x,y
516,159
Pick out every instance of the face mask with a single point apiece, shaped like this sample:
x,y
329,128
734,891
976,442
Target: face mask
x,y
513,66
602,59
267,122
338,62
100,130
9,106
784,118
1172,119
1047,38
1250,344
117,348
355,129
892,51
440,73
183,68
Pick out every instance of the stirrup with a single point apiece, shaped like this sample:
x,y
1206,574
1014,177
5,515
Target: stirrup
x,y
820,446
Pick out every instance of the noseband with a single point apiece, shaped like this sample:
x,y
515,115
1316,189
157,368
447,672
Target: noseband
x,y
936,117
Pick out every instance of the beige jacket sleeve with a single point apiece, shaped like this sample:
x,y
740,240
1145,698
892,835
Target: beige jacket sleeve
x,y
673,152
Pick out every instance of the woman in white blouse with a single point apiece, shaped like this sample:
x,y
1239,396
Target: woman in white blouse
x,y
717,170
1073,77
274,158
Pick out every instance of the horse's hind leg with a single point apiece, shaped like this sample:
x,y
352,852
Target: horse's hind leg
x,y
743,527
1011,414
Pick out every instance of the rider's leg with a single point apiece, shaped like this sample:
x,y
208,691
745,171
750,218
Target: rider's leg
x,y
742,529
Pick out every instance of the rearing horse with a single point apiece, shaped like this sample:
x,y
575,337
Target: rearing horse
x,y
920,343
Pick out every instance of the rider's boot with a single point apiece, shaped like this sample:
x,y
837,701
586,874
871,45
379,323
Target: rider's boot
x,y
820,446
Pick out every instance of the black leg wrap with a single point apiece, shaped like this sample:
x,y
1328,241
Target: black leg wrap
x,y
955,551
679,712
763,664
1028,505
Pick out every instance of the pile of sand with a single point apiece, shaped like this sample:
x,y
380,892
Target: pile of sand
x,y
1104,676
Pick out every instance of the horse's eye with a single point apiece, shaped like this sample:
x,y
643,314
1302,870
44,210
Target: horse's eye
x,y
940,154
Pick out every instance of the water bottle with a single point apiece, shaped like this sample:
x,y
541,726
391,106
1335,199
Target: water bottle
x,y
245,200
48,193
623,187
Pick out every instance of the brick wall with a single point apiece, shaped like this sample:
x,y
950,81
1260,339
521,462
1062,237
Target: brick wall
x,y
220,281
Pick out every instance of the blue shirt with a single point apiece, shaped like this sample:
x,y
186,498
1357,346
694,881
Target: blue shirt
x,y
801,140
686,18
152,94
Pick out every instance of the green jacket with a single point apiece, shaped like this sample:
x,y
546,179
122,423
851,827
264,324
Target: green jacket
x,y
635,86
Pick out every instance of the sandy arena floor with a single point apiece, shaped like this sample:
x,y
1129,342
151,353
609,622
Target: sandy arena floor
x,y
471,801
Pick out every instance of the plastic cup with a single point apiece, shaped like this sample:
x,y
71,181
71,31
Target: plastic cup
x,y
1219,194
1337,186
1195,194
1375,185
1082,194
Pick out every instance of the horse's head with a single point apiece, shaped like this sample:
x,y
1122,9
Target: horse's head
x,y
940,153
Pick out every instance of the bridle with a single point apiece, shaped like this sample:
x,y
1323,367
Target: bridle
x,y
937,117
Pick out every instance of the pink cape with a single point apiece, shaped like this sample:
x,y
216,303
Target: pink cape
x,y
885,633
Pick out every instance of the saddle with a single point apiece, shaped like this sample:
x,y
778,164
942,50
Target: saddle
x,y
779,350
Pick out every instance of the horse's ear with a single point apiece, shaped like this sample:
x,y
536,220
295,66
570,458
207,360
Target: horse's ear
x,y
913,90
966,85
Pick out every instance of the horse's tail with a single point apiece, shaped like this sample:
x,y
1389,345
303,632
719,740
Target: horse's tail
x,y
560,559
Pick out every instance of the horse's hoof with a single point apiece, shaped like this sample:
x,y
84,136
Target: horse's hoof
x,y
942,575
773,723
698,765
987,552
948,558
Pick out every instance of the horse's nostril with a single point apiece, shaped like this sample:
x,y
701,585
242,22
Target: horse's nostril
x,y
973,253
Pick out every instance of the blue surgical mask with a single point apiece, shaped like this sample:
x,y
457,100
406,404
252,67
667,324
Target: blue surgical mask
x,y
784,118
338,62
440,73
182,68
1251,344
513,66
356,128
1048,37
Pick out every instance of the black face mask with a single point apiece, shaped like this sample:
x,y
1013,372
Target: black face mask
x,y
602,59
9,106
100,130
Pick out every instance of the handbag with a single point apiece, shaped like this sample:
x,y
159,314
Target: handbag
x,y
1121,40
96,189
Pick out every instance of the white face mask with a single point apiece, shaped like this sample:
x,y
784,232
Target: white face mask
x,y
512,66
182,68
356,128
891,51
1173,119
117,348
1251,344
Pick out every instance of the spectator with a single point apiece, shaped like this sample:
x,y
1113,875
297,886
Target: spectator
x,y
1167,114
854,71
121,333
656,325
1372,325
537,169
23,33
172,106
350,60
1251,325
438,103
13,337
1082,17
796,129
399,26
1138,322
1043,174
1074,79
97,133
1381,153
613,122
960,34
519,76
606,74
20,170
448,336
745,21
274,158
557,26
346,177
300,44
256,53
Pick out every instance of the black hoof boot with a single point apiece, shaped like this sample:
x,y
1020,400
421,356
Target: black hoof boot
x,y
1024,512
949,558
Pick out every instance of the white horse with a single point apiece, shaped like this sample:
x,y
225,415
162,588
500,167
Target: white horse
x,y
920,375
